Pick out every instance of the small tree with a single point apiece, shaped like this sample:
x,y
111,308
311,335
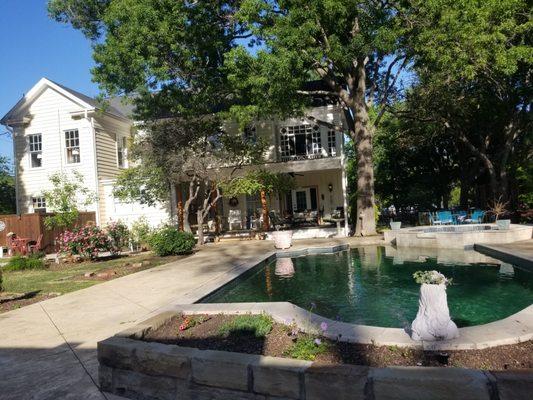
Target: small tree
x,y
260,182
64,199
7,188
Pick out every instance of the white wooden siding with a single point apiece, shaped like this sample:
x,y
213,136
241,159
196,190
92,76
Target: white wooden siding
x,y
50,116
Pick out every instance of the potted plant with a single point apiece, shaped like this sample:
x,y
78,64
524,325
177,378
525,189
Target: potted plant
x,y
433,320
395,225
498,209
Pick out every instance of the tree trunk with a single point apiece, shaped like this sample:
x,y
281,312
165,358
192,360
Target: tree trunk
x,y
193,193
362,136
264,207
180,208
200,230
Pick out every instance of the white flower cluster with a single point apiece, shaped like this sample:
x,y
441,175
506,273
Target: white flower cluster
x,y
431,278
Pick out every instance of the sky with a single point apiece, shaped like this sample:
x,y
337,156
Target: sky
x,y
33,46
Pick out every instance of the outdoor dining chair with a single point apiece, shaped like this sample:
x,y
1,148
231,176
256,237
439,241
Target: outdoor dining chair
x,y
36,247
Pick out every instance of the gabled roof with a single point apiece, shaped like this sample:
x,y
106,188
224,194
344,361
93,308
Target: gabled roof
x,y
84,101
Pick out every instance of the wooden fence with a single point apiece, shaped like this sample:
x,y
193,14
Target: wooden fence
x,y
32,226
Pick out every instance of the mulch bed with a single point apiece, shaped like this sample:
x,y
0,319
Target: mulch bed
x,y
25,299
206,335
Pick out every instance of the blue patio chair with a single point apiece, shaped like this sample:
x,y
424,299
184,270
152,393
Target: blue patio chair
x,y
459,217
445,217
433,220
476,217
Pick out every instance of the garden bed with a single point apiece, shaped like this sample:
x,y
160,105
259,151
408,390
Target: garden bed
x,y
261,336
30,286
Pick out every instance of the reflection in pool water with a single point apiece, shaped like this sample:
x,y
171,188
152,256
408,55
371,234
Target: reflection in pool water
x,y
284,267
373,285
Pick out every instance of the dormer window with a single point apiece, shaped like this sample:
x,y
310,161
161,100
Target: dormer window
x,y
72,146
36,150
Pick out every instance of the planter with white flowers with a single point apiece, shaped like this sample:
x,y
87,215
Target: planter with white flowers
x,y
433,320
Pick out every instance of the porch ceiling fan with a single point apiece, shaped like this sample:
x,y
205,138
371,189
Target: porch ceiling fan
x,y
293,174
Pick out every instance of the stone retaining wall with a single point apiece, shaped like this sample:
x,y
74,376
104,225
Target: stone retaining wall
x,y
142,370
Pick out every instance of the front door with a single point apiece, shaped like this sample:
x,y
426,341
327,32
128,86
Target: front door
x,y
305,199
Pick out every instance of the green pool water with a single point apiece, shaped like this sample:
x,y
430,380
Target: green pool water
x,y
365,286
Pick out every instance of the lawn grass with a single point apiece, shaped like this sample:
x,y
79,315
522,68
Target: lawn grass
x,y
64,278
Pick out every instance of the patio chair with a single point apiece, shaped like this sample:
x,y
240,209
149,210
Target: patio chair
x,y
278,222
460,217
443,218
34,248
476,217
234,219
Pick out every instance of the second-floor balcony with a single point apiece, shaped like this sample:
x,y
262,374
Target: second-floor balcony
x,y
307,142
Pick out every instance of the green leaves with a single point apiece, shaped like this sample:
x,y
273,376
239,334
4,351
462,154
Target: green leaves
x,y
256,181
67,195
7,188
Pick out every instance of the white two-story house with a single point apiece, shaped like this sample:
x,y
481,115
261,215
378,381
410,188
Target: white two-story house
x,y
55,128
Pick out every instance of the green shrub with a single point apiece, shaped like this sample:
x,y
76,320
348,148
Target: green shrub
x,y
1,287
258,325
307,348
18,263
140,233
169,240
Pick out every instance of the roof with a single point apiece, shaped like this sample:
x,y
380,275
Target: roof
x,y
113,106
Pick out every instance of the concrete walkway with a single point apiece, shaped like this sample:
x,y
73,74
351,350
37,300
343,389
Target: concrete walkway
x,y
48,349
517,253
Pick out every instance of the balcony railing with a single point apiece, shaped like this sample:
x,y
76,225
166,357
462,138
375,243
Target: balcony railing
x,y
301,157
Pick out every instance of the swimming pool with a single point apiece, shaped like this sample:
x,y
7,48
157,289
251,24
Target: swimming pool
x,y
365,286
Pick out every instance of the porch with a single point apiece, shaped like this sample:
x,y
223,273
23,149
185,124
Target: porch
x,y
315,208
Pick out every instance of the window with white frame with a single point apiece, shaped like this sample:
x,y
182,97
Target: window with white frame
x,y
300,140
36,150
316,141
249,134
122,145
72,146
39,204
332,143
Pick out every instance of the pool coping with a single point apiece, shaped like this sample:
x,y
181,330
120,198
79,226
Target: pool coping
x,y
511,330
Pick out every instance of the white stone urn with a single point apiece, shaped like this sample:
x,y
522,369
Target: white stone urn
x,y
284,267
395,225
503,224
282,239
433,320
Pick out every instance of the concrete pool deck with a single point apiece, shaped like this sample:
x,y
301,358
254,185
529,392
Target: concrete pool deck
x,y
517,253
48,349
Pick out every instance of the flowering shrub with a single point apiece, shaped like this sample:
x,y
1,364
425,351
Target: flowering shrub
x,y
118,236
431,278
86,242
